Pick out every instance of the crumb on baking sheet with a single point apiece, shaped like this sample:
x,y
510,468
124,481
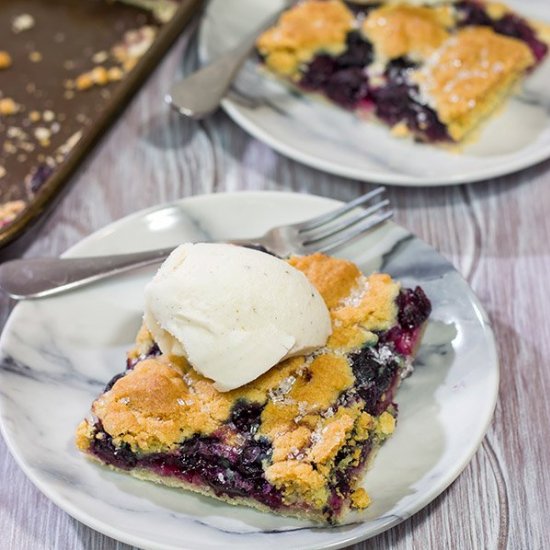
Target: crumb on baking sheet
x,y
125,54
133,45
98,76
35,57
10,210
100,57
8,106
5,60
22,22
42,135
115,74
42,117
162,10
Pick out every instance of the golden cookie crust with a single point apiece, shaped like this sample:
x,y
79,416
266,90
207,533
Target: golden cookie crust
x,y
304,30
467,77
399,30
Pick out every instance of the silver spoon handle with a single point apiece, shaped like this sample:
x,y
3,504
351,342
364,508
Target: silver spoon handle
x,y
201,93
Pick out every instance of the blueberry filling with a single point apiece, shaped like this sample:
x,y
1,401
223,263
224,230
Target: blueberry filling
x,y
318,72
113,381
235,471
397,69
246,417
103,447
403,341
414,308
344,478
512,25
377,368
347,87
375,376
226,469
472,13
359,52
362,9
342,78
397,101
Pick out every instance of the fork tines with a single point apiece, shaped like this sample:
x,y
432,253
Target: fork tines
x,y
338,227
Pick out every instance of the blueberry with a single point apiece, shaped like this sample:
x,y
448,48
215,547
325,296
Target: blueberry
x,y
246,416
516,27
103,447
472,13
251,454
113,380
373,377
318,72
414,308
397,68
347,87
38,177
359,52
396,102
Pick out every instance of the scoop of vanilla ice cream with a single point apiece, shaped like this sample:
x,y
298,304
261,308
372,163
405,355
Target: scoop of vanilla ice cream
x,y
233,312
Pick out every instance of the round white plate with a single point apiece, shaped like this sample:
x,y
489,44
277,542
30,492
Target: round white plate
x,y
58,353
330,139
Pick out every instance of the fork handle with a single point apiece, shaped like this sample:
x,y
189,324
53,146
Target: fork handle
x,y
40,277
200,94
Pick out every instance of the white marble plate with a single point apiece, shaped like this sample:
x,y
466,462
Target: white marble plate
x,y
330,139
58,353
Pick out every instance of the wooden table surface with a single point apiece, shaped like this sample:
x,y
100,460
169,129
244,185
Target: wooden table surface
x,y
496,233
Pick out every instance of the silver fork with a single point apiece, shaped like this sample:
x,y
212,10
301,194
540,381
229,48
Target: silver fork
x,y
200,93
40,277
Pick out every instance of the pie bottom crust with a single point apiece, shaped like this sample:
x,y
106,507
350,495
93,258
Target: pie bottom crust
x,y
144,474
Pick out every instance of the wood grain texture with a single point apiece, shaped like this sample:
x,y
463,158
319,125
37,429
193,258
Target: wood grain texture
x,y
496,233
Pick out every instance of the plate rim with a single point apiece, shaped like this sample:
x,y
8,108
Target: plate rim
x,y
422,501
236,113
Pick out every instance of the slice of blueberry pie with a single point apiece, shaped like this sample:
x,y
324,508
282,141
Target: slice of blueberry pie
x,y
433,71
294,438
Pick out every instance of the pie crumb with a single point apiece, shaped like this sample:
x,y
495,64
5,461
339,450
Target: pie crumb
x,y
360,499
8,106
5,59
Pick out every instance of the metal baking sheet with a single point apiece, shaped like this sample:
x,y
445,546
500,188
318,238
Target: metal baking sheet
x,y
67,68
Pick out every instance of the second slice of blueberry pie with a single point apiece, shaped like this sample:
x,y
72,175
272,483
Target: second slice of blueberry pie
x,y
433,71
